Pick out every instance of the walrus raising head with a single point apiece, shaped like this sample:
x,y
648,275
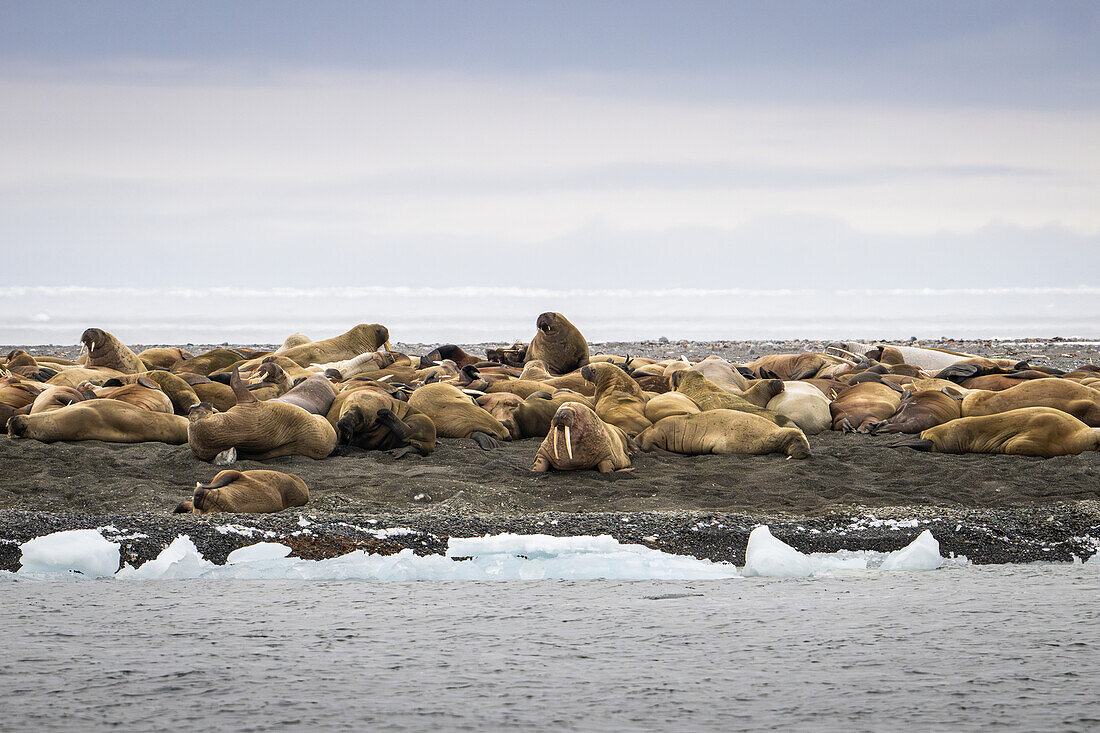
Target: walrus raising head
x,y
558,343
105,350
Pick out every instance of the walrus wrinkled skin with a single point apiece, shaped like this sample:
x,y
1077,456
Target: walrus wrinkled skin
x,y
859,407
724,432
558,344
920,411
721,373
580,440
104,350
454,414
1028,431
373,420
258,430
107,420
247,492
618,399
1061,394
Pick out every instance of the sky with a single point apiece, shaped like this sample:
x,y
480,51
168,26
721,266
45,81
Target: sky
x,y
564,145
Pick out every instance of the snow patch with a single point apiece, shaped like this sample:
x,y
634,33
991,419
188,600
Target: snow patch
x,y
243,530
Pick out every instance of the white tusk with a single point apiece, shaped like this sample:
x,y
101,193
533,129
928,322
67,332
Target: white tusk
x,y
568,443
555,441
198,484
789,457
91,348
383,379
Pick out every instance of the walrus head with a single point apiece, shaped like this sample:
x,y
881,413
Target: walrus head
x,y
94,337
547,322
199,411
17,425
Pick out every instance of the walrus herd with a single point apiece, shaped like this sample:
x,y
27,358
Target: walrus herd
x,y
320,398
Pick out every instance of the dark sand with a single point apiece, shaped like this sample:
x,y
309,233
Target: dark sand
x,y
990,508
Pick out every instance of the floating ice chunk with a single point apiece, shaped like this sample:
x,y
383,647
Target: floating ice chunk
x,y
258,552
77,550
532,544
181,559
1094,560
767,557
923,553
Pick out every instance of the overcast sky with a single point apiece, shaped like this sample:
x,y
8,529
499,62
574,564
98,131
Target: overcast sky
x,y
616,144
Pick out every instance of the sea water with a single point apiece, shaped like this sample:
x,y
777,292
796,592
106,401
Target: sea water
x,y
960,648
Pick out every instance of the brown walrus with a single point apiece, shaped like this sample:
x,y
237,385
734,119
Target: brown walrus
x,y
142,393
920,411
531,418
209,362
579,440
859,407
619,400
108,420
373,420
1062,394
314,395
1028,431
723,432
669,404
104,350
163,357
247,492
795,366
456,416
359,340
74,376
16,395
54,398
258,430
558,344
709,396
182,395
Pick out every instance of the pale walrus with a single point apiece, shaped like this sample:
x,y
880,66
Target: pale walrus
x,y
1061,394
455,415
247,492
618,398
104,350
257,429
723,432
108,420
1027,431
558,343
579,439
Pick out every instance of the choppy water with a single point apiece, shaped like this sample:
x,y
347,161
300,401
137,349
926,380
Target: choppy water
x,y
990,648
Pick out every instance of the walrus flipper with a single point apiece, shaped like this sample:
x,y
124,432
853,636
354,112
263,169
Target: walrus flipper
x,y
240,391
915,443
958,372
393,422
484,440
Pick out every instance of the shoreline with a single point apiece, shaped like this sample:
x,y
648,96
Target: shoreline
x,y
850,495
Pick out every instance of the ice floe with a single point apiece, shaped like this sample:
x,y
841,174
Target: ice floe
x,y
83,551
769,557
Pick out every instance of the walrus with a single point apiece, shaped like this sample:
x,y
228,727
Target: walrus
x,y
500,405
104,350
508,355
294,339
258,430
373,420
804,405
708,396
163,357
359,340
524,388
722,374
142,393
794,366
54,398
75,376
21,363
998,382
618,398
111,421
454,353
579,440
857,408
372,361
209,362
455,415
1028,431
219,396
182,395
531,418
314,395
668,404
920,411
1062,394
558,343
247,492
723,432
17,395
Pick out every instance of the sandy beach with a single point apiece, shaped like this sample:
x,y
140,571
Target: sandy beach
x,y
856,492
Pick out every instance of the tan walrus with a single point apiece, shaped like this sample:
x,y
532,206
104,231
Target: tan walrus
x,y
108,420
1028,431
258,430
860,406
723,432
709,396
142,393
163,357
1061,394
558,344
178,390
455,415
247,492
373,420
104,350
618,398
579,439
359,340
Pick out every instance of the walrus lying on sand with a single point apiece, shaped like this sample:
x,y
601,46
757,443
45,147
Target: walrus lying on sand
x,y
247,492
372,420
1027,431
579,439
456,416
108,420
618,398
258,430
1062,394
920,411
723,432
